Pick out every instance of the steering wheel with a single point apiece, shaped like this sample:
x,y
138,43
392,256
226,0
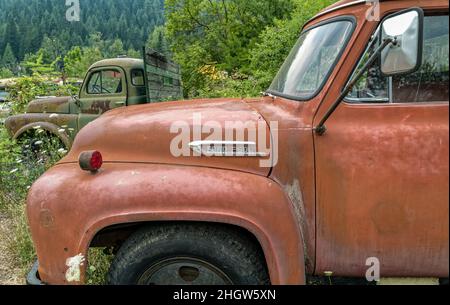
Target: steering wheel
x,y
96,89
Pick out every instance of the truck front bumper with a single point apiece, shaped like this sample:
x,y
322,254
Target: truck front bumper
x,y
33,276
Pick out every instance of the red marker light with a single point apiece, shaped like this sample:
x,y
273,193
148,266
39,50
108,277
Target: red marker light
x,y
91,161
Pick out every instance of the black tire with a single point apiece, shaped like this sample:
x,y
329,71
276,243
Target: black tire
x,y
194,254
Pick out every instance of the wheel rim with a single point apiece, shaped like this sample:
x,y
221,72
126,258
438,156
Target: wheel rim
x,y
184,271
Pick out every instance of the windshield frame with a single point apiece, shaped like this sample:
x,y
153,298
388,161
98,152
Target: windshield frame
x,y
353,22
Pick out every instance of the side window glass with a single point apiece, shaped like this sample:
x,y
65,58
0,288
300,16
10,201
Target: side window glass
x,y
137,78
105,82
428,84
318,69
95,84
372,87
111,82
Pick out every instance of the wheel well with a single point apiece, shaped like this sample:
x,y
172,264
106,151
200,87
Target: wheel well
x,y
29,130
114,236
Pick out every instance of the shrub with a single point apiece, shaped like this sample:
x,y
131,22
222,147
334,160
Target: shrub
x,y
5,73
26,89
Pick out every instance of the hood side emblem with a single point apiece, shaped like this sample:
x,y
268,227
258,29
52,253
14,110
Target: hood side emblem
x,y
226,149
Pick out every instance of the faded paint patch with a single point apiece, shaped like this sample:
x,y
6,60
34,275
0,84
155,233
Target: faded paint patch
x,y
391,218
296,197
46,218
73,274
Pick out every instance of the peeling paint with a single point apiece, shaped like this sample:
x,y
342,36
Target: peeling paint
x,y
296,197
73,274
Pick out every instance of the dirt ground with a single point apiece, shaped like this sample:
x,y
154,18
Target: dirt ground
x,y
10,274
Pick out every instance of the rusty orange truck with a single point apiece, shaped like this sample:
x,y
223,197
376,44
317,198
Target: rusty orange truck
x,y
340,169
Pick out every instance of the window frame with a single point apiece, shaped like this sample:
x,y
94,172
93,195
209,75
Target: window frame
x,y
333,67
101,70
93,74
132,78
367,101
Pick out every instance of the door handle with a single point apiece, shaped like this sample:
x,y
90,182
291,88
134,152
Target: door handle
x,y
120,103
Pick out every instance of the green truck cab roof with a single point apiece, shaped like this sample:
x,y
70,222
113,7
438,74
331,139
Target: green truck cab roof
x,y
126,63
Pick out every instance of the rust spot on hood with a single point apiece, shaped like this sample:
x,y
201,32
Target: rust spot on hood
x,y
50,105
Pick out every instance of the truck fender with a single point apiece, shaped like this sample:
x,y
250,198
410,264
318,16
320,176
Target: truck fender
x,y
51,128
65,219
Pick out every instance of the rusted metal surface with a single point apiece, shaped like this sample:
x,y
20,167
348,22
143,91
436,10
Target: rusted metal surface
x,y
150,127
60,125
295,168
50,105
375,185
382,178
70,217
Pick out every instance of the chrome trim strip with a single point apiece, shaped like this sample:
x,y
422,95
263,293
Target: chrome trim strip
x,y
227,149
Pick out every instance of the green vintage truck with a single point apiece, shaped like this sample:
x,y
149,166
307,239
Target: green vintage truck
x,y
109,84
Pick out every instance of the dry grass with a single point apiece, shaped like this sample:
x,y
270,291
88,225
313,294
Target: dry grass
x,y
11,272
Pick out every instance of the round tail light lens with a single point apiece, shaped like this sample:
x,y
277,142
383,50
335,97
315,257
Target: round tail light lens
x,y
91,160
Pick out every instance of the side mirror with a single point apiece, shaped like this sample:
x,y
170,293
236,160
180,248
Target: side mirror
x,y
404,55
75,98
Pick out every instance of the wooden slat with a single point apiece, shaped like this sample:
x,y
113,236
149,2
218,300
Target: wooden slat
x,y
163,78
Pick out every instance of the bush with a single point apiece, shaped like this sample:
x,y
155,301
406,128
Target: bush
x,y
5,73
220,84
26,89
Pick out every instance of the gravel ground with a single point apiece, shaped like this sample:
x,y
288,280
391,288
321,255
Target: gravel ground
x,y
10,273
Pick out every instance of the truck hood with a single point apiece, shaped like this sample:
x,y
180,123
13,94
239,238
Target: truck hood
x,y
50,105
162,133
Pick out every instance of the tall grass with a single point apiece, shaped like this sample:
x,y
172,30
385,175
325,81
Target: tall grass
x,y
17,174
22,163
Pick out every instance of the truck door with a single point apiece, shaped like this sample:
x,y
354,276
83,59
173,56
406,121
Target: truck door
x,y
383,172
105,89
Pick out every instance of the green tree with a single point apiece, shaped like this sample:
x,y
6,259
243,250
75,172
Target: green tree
x,y
276,41
72,62
28,25
11,35
134,54
52,52
9,60
5,73
223,33
90,55
158,41
115,49
38,65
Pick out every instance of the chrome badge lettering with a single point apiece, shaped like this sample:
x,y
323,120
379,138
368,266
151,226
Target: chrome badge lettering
x,y
226,149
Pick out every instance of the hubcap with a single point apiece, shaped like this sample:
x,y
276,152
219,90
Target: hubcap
x,y
184,271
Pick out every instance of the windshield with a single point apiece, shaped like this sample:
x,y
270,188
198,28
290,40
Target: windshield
x,y
308,65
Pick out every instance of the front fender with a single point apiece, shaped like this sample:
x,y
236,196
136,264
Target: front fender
x,y
18,125
68,207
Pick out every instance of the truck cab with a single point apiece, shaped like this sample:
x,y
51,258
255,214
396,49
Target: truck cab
x,y
340,169
109,84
